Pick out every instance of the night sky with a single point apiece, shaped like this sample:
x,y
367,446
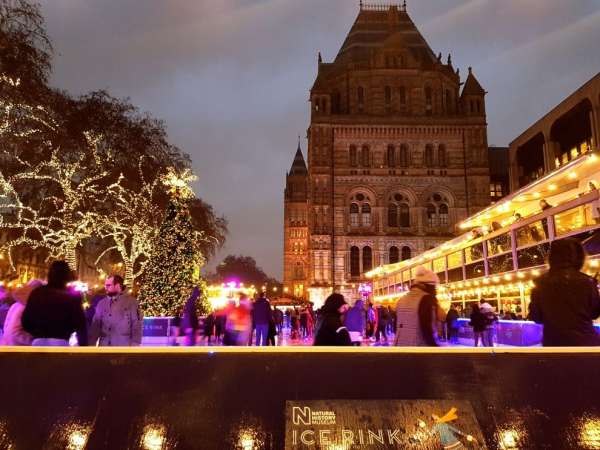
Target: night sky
x,y
231,78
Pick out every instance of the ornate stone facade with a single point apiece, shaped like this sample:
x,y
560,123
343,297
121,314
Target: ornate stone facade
x,y
397,154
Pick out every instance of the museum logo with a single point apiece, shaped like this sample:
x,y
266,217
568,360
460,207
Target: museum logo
x,y
304,415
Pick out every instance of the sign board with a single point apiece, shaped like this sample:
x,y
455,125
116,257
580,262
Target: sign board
x,y
381,424
156,326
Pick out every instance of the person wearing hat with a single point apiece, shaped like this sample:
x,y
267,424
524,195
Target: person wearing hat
x,y
565,300
14,334
330,330
418,312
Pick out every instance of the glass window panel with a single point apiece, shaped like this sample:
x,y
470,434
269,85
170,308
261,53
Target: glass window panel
x,y
533,256
530,234
499,244
439,265
455,260
474,253
572,220
501,263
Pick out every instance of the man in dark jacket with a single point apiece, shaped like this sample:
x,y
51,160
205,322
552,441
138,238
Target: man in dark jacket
x,y
330,330
53,312
262,316
565,300
189,322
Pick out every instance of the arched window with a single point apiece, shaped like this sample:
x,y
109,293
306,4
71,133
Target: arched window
x,y
443,210
429,157
298,271
353,156
391,156
448,101
366,215
431,215
394,255
428,100
354,222
406,253
392,215
354,262
336,103
478,106
404,215
442,156
402,95
365,156
404,156
388,99
367,259
324,105
361,98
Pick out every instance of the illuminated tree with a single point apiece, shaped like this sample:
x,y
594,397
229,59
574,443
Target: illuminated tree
x,y
176,258
131,225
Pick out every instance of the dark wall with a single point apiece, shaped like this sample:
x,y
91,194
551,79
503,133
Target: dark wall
x,y
205,400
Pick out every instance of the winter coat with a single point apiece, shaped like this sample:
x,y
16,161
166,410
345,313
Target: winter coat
x,y
355,318
190,315
331,331
118,321
54,313
479,321
416,315
14,334
566,302
261,312
452,317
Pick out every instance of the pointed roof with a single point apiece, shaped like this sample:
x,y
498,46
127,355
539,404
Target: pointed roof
x,y
378,25
298,166
472,86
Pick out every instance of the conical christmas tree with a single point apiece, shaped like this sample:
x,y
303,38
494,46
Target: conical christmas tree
x,y
173,268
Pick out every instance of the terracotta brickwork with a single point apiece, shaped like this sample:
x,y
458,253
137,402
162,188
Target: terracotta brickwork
x,y
397,153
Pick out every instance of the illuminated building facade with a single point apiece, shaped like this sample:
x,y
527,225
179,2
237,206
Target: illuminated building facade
x,y
397,154
569,130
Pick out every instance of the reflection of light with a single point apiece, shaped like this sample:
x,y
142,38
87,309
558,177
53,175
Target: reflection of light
x,y
508,439
246,441
153,437
590,433
422,424
78,436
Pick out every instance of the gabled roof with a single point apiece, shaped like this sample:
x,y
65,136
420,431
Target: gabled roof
x,y
298,166
472,86
375,26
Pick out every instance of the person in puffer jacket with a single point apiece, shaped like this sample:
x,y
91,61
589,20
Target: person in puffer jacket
x,y
418,312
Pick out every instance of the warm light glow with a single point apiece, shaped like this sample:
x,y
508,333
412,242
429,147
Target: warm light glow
x,y
153,437
552,187
589,436
77,436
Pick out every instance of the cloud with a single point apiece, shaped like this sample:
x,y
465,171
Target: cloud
x,y
231,77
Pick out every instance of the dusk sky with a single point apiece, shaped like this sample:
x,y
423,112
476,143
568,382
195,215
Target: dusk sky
x,y
231,78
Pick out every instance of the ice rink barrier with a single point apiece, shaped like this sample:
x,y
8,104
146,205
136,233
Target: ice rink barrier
x,y
248,398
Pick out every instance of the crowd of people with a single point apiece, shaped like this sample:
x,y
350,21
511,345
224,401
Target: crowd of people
x,y
48,314
564,300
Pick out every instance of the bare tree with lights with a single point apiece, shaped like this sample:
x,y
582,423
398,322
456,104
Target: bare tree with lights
x,y
131,225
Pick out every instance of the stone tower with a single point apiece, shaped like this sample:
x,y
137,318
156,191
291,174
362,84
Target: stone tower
x,y
295,220
397,153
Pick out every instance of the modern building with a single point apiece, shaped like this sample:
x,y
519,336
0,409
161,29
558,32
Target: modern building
x,y
397,155
499,183
570,129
